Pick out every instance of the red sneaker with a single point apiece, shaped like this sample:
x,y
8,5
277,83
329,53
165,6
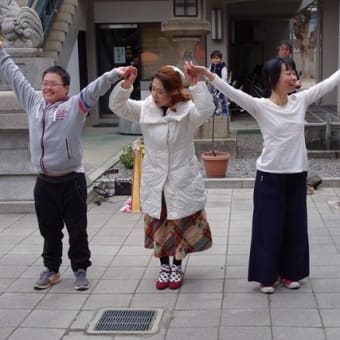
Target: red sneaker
x,y
290,284
163,278
176,277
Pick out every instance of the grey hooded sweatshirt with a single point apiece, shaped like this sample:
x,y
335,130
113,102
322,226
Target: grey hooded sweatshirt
x,y
55,129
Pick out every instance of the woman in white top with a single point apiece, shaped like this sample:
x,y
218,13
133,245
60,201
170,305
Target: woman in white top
x,y
279,247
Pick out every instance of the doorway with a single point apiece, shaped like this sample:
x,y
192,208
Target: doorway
x,y
247,50
117,45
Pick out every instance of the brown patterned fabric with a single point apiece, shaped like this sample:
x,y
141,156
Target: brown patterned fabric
x,y
177,237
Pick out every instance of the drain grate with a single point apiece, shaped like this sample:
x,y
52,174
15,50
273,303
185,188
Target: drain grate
x,y
131,321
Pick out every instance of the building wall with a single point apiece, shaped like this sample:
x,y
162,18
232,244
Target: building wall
x,y
330,45
124,12
73,69
222,44
129,11
268,32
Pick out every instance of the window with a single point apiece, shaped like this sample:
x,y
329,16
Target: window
x,y
185,8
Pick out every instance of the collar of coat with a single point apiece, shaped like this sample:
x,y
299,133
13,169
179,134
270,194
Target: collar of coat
x,y
152,114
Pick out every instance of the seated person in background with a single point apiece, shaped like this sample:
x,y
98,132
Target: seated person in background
x,y
285,50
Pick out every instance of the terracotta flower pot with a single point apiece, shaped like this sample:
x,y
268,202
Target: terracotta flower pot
x,y
215,165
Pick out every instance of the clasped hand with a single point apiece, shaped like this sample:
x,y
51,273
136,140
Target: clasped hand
x,y
129,73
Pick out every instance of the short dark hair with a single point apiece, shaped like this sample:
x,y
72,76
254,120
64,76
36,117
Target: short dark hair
x,y
285,43
271,73
61,72
216,53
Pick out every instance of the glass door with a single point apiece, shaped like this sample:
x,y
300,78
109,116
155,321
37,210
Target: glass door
x,y
117,45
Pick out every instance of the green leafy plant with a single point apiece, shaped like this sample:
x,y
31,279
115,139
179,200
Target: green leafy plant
x,y
127,157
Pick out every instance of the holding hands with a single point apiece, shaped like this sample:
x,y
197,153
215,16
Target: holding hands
x,y
129,73
191,76
194,71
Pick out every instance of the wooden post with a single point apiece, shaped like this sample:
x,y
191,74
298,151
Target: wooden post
x,y
136,179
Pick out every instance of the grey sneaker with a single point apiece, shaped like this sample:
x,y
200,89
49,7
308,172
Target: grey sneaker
x,y
81,283
47,279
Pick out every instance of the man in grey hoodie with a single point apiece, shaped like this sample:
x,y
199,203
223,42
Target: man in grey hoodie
x,y
55,123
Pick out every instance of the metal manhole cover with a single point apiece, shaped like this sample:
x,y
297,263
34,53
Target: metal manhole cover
x,y
131,321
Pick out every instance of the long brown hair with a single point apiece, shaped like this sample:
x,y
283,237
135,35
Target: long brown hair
x,y
173,84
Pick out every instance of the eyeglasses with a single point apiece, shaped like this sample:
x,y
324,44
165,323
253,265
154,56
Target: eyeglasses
x,y
50,84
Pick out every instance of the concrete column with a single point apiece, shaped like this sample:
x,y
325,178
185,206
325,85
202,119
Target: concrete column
x,y
17,175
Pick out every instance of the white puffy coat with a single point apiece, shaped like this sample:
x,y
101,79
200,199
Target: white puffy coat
x,y
170,164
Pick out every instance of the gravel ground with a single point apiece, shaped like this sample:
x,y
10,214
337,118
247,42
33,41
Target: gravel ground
x,y
248,149
245,168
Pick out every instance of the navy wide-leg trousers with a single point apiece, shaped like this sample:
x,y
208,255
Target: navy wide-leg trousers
x,y
279,244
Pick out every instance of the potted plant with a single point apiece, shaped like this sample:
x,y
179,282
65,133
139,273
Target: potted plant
x,y
127,157
215,162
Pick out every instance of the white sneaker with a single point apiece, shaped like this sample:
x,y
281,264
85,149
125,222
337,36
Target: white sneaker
x,y
267,289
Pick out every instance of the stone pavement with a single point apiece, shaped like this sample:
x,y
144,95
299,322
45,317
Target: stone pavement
x,y
101,148
215,302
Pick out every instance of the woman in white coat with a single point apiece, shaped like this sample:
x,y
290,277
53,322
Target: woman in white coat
x,y
173,196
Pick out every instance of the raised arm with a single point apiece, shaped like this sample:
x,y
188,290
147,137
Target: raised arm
x,y
317,91
129,74
241,98
119,101
195,70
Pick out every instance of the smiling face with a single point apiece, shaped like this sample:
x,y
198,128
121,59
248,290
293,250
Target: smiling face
x,y
160,96
52,88
287,80
215,59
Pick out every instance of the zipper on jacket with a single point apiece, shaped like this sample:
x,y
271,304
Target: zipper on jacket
x,y
67,149
43,121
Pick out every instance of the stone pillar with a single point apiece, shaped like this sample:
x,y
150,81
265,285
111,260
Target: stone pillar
x,y
185,34
17,176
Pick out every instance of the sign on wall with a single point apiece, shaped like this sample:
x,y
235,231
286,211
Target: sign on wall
x,y
119,55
